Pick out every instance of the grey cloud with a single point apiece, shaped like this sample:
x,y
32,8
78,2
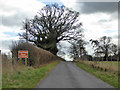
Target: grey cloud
x,y
116,36
5,44
3,7
11,20
114,15
14,20
104,20
94,7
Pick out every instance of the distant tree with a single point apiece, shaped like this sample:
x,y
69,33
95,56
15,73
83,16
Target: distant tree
x,y
105,45
114,49
74,51
95,43
77,48
96,47
102,46
81,47
52,24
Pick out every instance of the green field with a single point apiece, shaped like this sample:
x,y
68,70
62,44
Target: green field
x,y
111,77
27,77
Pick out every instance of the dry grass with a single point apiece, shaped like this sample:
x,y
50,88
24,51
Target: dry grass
x,y
9,67
109,77
110,66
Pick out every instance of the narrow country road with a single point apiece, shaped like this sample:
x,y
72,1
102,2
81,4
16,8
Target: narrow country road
x,y
68,75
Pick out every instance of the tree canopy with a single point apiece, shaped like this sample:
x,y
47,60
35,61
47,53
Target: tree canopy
x,y
52,24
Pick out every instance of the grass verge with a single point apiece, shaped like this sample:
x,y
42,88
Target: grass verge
x,y
27,77
107,77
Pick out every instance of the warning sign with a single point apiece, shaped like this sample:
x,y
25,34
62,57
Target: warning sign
x,y
22,54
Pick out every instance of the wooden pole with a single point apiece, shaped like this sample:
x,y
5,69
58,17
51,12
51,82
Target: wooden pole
x,y
26,61
20,60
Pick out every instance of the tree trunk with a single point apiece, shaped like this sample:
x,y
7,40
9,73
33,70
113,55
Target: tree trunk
x,y
54,50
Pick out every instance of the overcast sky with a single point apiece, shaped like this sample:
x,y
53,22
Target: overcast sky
x,y
98,18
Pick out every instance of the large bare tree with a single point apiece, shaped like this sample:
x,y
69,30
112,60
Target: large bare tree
x,y
52,24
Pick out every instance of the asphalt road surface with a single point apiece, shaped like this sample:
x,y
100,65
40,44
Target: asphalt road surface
x,y
68,75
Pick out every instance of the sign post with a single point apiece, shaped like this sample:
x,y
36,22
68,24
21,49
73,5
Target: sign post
x,y
23,54
26,61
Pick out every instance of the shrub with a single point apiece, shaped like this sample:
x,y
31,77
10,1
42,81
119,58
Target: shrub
x,y
37,56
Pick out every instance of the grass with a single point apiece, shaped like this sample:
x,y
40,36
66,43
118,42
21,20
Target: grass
x,y
107,77
111,66
27,77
